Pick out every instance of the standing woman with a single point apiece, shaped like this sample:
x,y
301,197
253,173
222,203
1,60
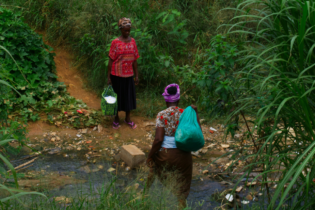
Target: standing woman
x,y
122,68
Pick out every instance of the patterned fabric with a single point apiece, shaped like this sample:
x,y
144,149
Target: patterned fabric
x,y
109,109
123,54
169,119
123,22
171,98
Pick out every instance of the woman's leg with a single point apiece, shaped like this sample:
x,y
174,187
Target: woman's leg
x,y
128,117
128,120
116,118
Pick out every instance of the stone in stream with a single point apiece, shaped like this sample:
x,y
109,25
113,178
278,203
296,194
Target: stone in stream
x,y
132,155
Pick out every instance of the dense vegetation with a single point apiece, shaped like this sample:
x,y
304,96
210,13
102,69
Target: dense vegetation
x,y
262,67
172,36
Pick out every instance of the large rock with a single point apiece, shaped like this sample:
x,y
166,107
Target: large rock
x,y
132,155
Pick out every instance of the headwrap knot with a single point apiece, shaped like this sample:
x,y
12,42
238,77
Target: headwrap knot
x,y
171,98
123,22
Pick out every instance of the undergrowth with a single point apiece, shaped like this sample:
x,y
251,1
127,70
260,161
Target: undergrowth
x,y
27,63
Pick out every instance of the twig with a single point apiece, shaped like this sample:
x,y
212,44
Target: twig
x,y
24,164
24,168
250,133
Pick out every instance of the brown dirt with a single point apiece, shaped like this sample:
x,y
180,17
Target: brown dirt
x,y
73,79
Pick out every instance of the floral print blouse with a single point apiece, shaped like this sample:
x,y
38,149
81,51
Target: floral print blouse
x,y
169,119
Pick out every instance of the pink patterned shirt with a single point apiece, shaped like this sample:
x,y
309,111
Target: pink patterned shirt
x,y
123,55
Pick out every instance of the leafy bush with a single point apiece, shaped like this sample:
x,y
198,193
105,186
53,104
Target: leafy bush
x,y
31,71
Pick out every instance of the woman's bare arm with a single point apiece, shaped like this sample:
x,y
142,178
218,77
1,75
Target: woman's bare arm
x,y
109,69
135,69
157,143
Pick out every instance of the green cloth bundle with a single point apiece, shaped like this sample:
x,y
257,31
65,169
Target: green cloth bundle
x,y
188,136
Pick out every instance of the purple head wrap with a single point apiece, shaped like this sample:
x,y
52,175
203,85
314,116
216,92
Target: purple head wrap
x,y
171,98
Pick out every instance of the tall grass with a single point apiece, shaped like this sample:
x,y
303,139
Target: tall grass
x,y
279,72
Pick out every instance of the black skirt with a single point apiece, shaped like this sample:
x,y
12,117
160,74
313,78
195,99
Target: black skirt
x,y
125,89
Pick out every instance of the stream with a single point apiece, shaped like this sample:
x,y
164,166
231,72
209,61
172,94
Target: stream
x,y
70,175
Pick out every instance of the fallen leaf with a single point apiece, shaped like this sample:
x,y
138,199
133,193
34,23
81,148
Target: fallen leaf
x,y
249,197
225,146
89,142
100,128
239,189
111,170
63,199
58,123
205,172
204,150
251,183
84,130
226,183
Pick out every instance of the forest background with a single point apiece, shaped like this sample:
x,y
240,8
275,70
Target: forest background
x,y
233,58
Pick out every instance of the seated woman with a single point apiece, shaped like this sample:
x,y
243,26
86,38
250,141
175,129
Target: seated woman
x,y
164,157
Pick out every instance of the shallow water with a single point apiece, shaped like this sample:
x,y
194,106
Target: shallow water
x,y
57,166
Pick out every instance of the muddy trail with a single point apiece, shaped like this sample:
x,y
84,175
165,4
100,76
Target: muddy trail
x,y
63,159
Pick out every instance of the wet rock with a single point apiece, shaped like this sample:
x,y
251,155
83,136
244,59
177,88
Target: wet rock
x,y
117,157
223,160
132,155
54,151
85,169
238,136
216,153
63,199
120,182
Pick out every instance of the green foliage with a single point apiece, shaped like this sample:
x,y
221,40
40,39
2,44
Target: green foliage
x,y
27,48
26,62
277,67
161,28
217,75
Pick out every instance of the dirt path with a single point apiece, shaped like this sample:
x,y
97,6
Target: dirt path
x,y
68,74
73,79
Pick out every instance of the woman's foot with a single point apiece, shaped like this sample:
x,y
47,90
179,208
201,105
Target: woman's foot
x,y
131,124
116,125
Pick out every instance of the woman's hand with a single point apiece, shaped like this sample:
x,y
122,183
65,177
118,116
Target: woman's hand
x,y
136,80
194,107
109,81
150,162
